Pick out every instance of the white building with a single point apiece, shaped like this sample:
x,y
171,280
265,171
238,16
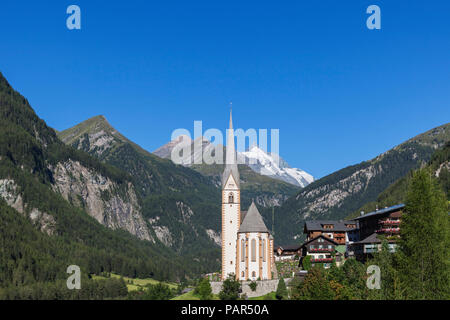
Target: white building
x,y
247,245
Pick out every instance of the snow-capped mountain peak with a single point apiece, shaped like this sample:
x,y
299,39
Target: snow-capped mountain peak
x,y
272,165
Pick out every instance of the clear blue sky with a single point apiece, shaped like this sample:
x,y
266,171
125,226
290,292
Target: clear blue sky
x,y
338,92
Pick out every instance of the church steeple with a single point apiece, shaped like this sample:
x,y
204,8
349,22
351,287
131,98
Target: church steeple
x,y
230,159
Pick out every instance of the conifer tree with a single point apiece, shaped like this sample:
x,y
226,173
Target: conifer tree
x,y
204,289
424,244
281,293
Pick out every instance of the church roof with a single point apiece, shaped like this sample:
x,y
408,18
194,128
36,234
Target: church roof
x,y
253,221
231,166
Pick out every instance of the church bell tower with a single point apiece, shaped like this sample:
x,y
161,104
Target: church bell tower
x,y
231,206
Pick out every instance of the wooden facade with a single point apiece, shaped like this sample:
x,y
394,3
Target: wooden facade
x,y
321,249
335,230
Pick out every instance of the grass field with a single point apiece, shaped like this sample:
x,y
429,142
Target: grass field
x,y
191,296
269,296
136,284
187,296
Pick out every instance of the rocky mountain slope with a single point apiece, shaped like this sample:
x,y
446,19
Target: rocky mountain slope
x,y
180,206
342,192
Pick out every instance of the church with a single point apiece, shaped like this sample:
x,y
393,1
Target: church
x,y
247,245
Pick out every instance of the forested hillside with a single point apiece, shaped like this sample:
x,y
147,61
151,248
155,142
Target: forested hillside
x,y
42,232
439,166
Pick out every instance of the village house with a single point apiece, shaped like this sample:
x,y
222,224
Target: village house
x,y
358,238
341,232
321,250
373,226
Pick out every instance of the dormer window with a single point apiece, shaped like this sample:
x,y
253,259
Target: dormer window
x,y
231,197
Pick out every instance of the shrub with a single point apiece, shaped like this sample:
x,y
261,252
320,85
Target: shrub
x,y
253,285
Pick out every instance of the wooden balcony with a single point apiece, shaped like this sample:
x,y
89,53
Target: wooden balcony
x,y
321,250
390,222
322,260
388,230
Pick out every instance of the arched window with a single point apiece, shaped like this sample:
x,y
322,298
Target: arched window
x,y
242,250
264,250
230,197
253,274
243,274
253,250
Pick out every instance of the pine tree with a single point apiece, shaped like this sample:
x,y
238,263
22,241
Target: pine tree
x,y
281,293
204,289
424,244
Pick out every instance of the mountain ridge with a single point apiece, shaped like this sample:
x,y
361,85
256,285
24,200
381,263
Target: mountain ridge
x,y
439,166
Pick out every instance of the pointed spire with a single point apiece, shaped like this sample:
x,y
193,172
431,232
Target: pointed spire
x,y
231,152
231,115
230,157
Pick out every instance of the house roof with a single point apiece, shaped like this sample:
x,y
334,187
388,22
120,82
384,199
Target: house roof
x,y
370,239
382,211
253,221
318,225
320,236
373,238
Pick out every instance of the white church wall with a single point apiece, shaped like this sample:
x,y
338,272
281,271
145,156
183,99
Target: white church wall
x,y
230,227
241,264
254,266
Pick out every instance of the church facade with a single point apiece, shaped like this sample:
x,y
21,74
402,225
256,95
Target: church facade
x,y
247,245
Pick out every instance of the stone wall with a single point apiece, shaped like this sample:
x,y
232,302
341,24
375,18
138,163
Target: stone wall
x,y
263,287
